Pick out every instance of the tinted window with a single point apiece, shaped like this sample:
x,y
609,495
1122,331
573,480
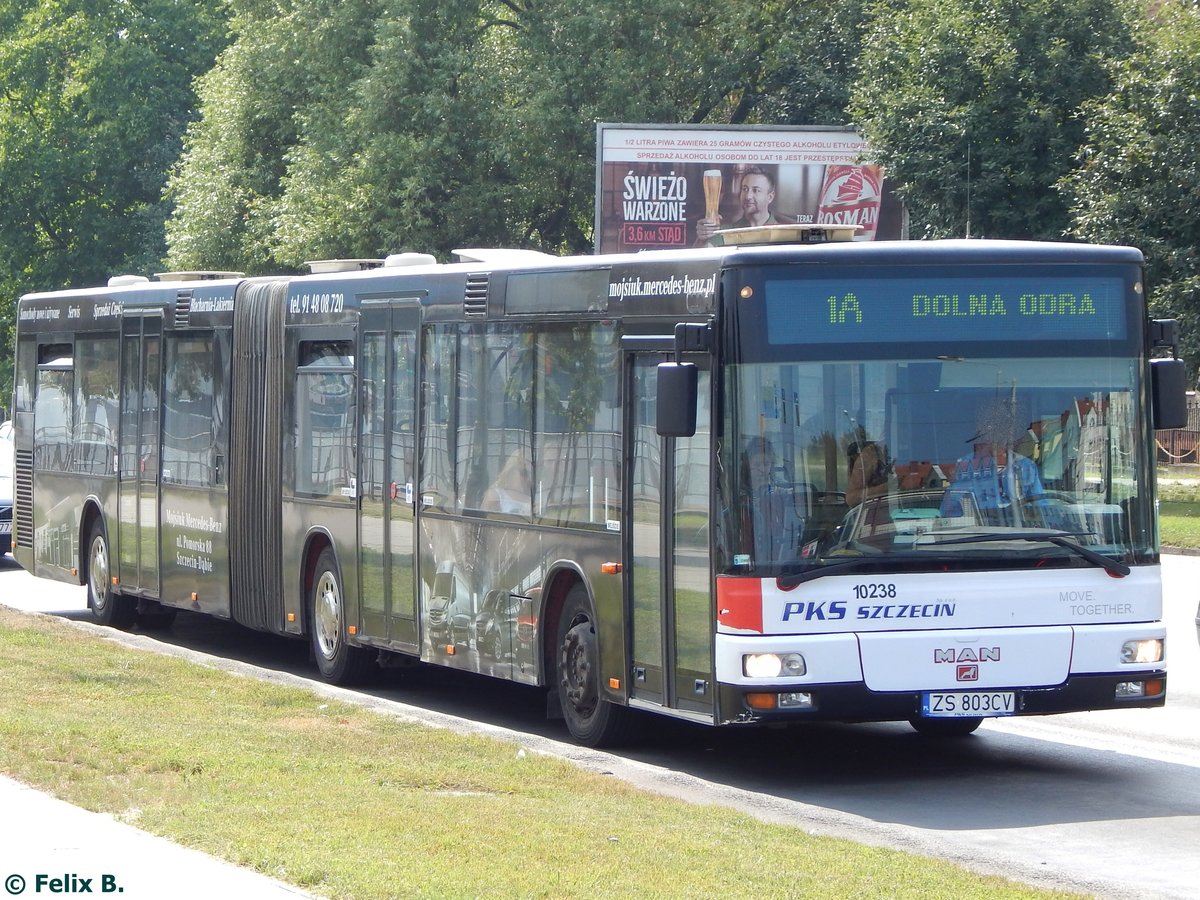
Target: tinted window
x,y
325,417
577,440
494,434
96,406
189,443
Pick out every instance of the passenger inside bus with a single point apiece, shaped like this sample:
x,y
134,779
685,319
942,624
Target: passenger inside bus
x,y
769,504
996,478
869,469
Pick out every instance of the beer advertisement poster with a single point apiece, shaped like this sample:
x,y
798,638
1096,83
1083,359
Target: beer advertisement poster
x,y
664,186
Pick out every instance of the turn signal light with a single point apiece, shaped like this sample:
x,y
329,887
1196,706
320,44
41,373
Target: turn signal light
x,y
762,701
1132,690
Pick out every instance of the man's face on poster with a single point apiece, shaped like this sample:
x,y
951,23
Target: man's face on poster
x,y
757,196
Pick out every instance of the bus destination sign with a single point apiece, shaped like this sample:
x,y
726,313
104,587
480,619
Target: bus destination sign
x,y
965,308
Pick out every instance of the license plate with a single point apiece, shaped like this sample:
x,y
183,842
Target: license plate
x,y
963,704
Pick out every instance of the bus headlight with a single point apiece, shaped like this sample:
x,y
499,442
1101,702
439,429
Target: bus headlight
x,y
1145,651
773,665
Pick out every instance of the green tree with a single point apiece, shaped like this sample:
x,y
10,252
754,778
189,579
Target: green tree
x,y
471,122
1138,180
290,62
973,106
94,98
404,158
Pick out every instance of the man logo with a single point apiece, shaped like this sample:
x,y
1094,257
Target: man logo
x,y
968,673
967,655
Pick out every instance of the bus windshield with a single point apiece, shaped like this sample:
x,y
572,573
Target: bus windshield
x,y
959,461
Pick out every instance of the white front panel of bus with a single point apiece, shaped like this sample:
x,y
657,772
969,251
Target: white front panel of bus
x,y
910,602
966,660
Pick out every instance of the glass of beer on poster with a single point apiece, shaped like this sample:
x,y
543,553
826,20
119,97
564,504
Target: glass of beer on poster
x,y
712,196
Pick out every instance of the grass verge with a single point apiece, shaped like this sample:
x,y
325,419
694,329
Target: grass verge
x,y
346,802
1179,511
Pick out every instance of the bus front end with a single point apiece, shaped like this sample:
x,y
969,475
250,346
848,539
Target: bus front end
x,y
937,477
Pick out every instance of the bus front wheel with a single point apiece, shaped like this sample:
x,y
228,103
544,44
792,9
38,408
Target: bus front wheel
x,y
591,719
337,660
108,606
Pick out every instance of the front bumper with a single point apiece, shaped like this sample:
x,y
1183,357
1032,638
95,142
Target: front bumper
x,y
854,702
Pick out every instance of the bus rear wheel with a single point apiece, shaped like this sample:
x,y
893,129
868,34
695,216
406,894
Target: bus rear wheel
x,y
945,728
108,606
337,660
591,719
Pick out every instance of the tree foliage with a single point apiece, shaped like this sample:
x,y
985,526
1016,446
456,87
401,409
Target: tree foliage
x,y
1138,180
471,122
973,106
94,99
363,127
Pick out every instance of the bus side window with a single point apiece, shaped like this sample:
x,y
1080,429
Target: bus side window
x,y
53,416
577,430
325,420
437,398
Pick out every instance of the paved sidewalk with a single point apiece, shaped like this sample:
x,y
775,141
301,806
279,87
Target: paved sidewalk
x,y
51,848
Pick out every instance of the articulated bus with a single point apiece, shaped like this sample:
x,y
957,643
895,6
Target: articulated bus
x,y
819,480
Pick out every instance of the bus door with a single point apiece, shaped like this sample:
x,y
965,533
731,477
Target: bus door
x,y
668,582
387,477
138,467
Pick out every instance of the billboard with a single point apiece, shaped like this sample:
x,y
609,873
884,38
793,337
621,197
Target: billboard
x,y
660,186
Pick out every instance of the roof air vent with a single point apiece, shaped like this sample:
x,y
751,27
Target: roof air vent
x,y
326,266
501,257
126,280
397,260
197,275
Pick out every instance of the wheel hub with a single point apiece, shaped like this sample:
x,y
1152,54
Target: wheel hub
x,y
98,574
578,652
328,616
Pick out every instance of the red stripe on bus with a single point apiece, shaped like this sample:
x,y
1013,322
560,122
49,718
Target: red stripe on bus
x,y
739,603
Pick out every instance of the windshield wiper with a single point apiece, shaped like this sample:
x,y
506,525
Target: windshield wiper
x,y
1058,538
791,580
851,564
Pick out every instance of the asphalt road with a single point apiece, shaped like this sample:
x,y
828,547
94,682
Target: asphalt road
x,y
1106,803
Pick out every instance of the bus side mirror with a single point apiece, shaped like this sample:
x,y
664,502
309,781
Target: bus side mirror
x,y
1168,393
677,394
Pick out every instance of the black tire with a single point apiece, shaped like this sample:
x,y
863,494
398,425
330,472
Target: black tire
x,y
592,720
108,606
337,660
945,728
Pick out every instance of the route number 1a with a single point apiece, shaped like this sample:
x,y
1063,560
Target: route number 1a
x,y
844,309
